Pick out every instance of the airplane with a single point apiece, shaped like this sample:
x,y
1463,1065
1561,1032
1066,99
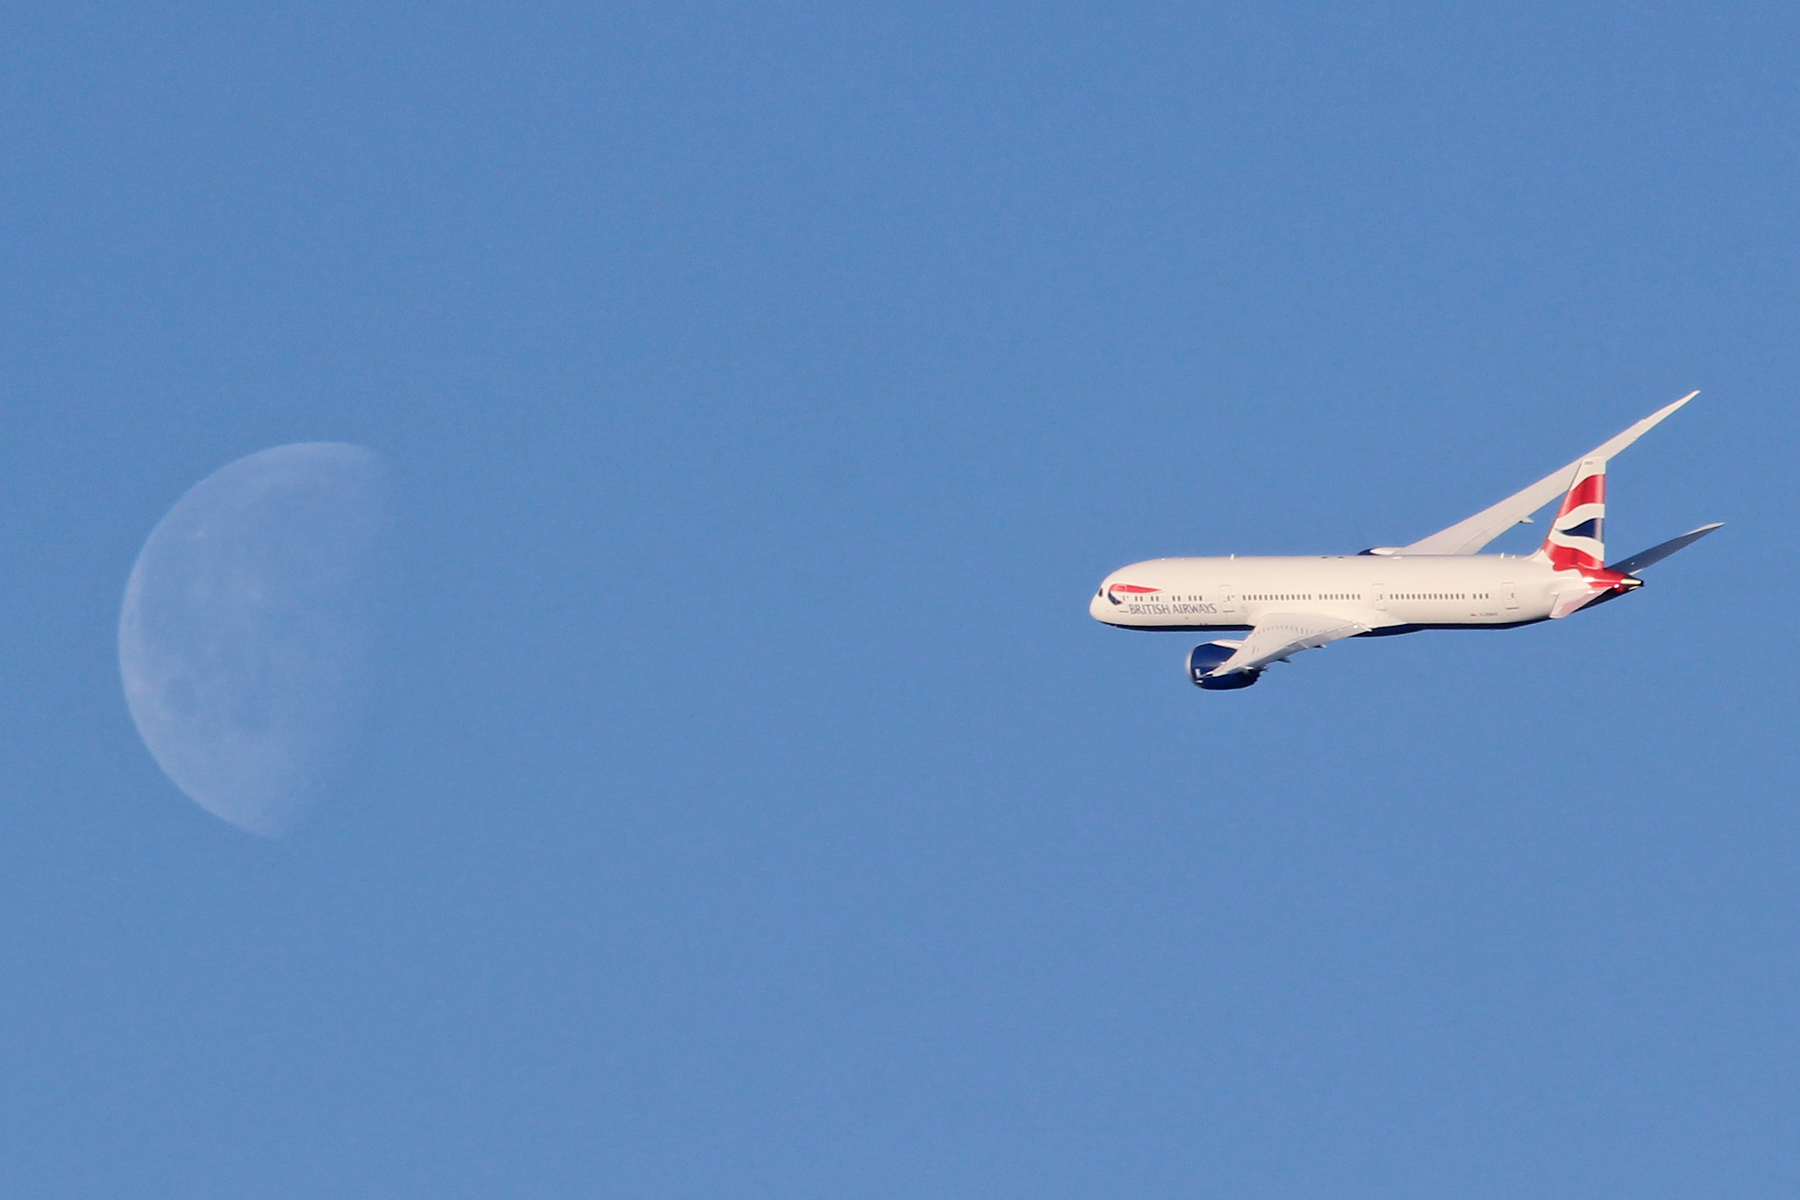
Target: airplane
x,y
1294,603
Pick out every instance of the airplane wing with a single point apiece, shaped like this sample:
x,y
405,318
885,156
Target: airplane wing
x,y
1468,537
1655,554
1277,635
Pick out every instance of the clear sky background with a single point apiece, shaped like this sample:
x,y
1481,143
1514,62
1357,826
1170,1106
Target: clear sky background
x,y
752,808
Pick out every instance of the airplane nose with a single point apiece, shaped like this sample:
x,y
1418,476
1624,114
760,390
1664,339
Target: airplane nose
x,y
1098,607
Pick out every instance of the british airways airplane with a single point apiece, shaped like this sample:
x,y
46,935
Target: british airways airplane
x,y
1291,604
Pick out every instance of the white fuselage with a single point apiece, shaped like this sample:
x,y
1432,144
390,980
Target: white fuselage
x,y
1386,593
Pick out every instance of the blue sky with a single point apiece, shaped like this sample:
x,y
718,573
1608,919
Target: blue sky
x,y
752,808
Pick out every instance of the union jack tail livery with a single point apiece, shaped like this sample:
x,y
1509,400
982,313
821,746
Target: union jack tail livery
x,y
1577,541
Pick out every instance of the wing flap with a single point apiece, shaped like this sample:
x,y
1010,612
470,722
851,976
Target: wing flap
x,y
1275,636
1470,535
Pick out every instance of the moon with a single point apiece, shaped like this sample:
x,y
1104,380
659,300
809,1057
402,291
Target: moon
x,y
244,635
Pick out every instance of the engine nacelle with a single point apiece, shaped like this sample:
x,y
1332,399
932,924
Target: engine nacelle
x,y
1202,659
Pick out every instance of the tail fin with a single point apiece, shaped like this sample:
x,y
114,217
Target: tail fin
x,y
1576,540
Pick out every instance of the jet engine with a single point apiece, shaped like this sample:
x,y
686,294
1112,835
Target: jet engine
x,y
1202,659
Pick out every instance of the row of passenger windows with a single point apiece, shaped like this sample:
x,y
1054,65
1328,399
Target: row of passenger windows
x,y
1356,596
1286,596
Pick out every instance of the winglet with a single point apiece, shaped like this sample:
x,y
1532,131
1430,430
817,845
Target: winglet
x,y
1469,536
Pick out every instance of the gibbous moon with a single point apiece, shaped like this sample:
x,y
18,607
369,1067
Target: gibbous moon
x,y
246,623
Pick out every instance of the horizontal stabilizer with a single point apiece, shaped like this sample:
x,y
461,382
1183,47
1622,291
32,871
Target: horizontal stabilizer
x,y
1655,554
1469,536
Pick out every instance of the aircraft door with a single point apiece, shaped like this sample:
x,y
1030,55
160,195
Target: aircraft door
x,y
1378,592
1509,594
1227,598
